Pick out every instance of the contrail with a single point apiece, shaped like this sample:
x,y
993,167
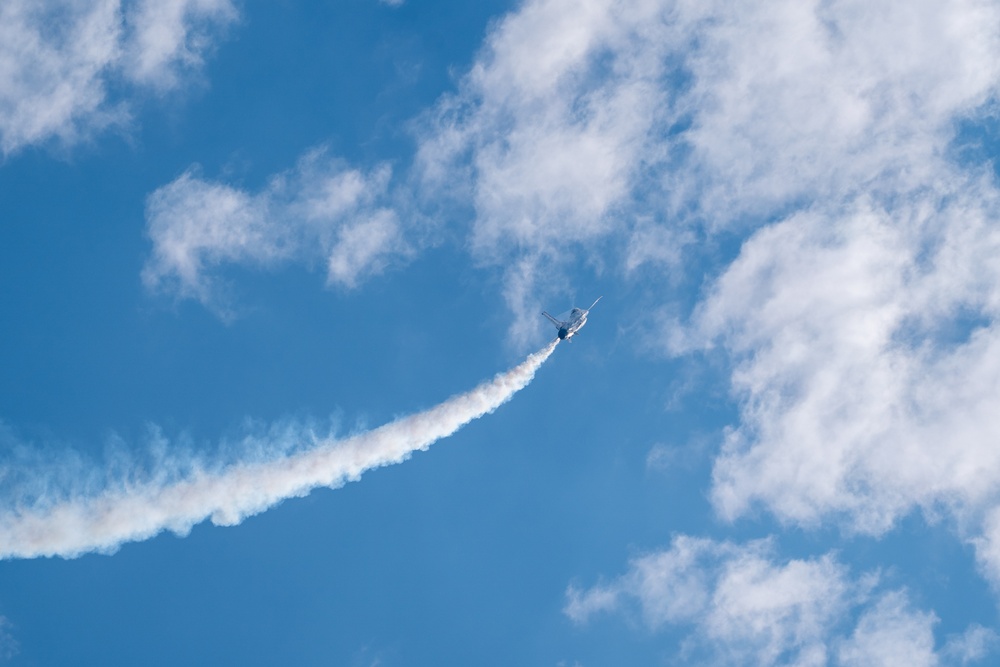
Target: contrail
x,y
105,520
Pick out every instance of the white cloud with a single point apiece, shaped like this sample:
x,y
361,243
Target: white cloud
x,y
861,392
547,131
987,546
364,247
194,223
59,58
741,605
867,352
793,101
320,211
53,59
974,644
581,123
632,121
9,646
891,634
746,609
169,38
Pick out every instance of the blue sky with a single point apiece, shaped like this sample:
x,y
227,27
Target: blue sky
x,y
240,238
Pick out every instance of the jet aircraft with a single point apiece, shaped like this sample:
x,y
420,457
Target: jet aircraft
x,y
577,318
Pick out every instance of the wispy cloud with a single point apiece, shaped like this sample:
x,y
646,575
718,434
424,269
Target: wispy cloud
x,y
741,604
60,59
547,133
45,516
321,211
52,81
9,646
623,126
167,40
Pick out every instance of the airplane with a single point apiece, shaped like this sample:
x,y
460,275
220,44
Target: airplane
x,y
577,318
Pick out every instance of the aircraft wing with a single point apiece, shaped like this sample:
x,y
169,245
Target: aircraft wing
x,y
554,321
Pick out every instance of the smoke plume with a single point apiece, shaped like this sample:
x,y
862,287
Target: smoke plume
x,y
73,523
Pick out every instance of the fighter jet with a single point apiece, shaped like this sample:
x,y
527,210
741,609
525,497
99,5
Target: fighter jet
x,y
577,318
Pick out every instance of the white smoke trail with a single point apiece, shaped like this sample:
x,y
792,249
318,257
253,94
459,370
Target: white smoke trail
x,y
105,520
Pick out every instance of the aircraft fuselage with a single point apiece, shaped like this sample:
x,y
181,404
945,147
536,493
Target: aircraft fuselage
x,y
577,318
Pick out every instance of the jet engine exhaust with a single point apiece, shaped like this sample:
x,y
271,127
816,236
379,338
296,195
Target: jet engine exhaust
x,y
69,523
